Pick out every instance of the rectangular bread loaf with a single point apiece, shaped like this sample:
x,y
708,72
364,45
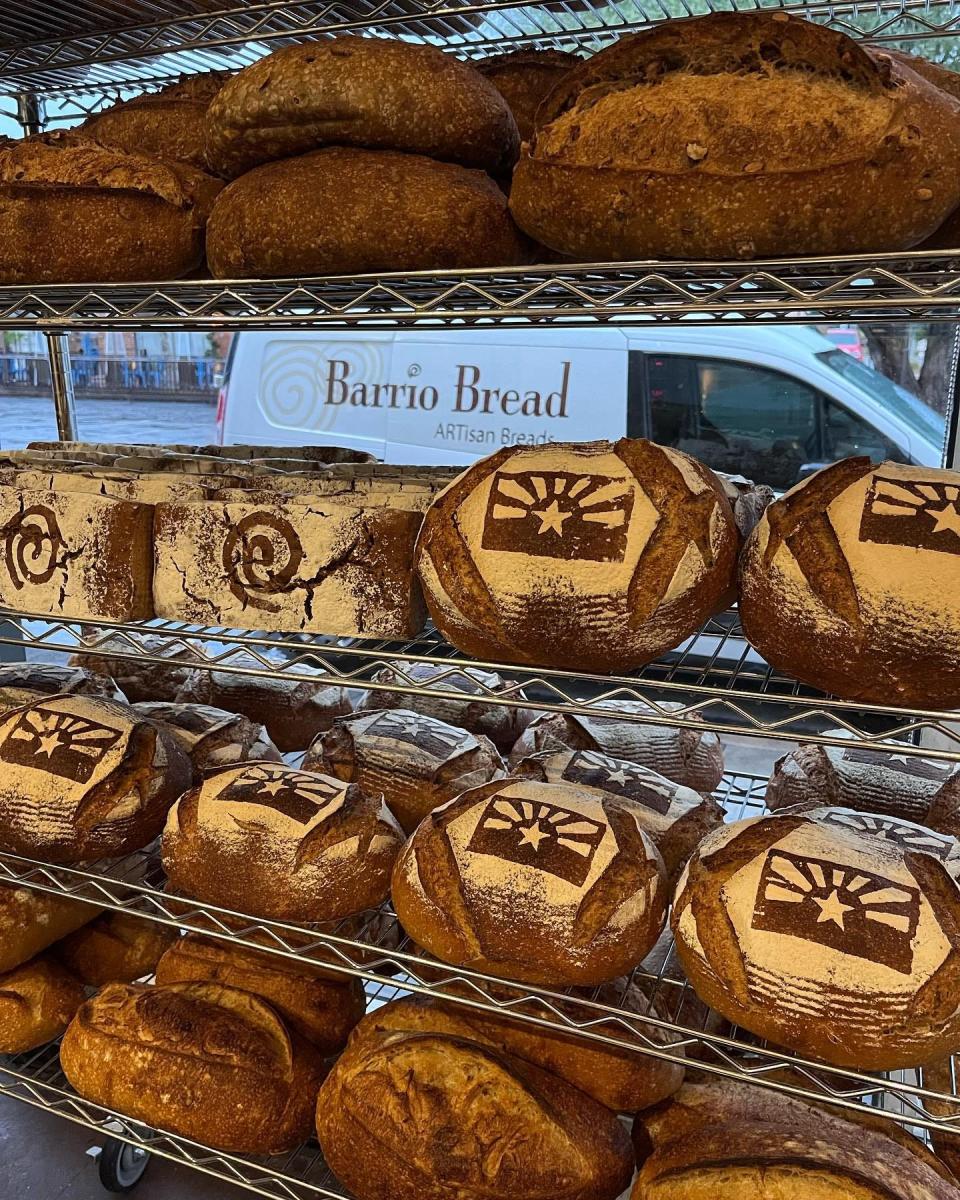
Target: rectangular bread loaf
x,y
144,489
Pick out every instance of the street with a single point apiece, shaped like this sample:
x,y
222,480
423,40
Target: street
x,y
28,418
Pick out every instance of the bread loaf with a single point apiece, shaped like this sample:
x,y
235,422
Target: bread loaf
x,y
204,1061
906,834
30,921
675,818
72,211
737,136
591,556
37,1002
139,679
432,1116
851,583
415,762
870,781
502,725
293,711
523,78
270,841
349,212
349,91
115,948
839,946
686,756
52,679
313,1005
540,882
941,1076
212,737
84,778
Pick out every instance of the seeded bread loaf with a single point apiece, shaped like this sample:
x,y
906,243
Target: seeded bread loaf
x,y
208,1062
738,136
37,1002
538,882
414,762
115,948
30,921
523,78
212,737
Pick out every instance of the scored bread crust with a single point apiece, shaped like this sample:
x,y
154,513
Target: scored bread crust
x,y
524,78
115,948
738,136
37,1002
205,1061
30,921
212,737
368,92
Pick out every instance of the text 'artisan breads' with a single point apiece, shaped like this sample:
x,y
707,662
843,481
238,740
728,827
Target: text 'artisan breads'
x,y
837,945
368,92
851,583
738,135
594,556
432,1116
341,211
539,882
37,1002
209,1062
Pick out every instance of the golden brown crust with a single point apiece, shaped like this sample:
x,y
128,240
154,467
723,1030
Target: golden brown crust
x,y
37,1002
523,78
31,921
342,211
369,92
139,679
115,948
205,1061
212,737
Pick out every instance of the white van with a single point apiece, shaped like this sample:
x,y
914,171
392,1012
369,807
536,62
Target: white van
x,y
771,403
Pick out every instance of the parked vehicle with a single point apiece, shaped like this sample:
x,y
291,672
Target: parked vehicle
x,y
774,404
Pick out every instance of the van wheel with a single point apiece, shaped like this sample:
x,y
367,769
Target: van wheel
x,y
121,1165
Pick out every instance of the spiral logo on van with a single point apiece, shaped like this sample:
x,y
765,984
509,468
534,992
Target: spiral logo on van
x,y
33,545
293,379
261,555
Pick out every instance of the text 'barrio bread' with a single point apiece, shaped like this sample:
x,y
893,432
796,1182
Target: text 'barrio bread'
x,y
540,882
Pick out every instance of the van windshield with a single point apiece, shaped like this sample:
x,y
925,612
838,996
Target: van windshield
x,y
908,408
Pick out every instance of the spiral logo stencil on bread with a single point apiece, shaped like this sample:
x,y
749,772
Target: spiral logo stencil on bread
x,y
32,546
261,556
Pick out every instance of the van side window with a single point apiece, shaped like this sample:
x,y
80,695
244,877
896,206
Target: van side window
x,y
846,435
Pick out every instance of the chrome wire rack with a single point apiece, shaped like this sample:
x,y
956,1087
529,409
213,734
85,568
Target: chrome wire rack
x,y
676,1026
716,680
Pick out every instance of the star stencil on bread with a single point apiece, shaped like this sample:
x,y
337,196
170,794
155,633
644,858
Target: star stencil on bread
x,y
831,909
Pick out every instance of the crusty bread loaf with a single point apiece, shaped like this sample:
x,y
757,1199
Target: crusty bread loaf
x,y
837,945
523,78
415,762
340,211
349,91
945,78
115,948
139,679
37,1002
30,921
205,1061
674,817
56,679
689,757
851,583
870,781
540,882
596,556
502,725
292,711
433,1116
271,841
906,834
315,1006
212,737
738,135
84,778
941,1076
72,211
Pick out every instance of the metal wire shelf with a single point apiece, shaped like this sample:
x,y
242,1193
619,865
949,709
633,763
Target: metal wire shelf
x,y
714,681
375,949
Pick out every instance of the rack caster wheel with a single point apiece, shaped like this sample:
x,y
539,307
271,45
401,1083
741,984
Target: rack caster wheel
x,y
121,1165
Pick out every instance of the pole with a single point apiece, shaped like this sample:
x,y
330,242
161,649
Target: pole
x,y
61,378
30,113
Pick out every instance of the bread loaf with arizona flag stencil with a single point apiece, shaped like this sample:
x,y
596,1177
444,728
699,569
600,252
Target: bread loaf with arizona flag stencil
x,y
594,556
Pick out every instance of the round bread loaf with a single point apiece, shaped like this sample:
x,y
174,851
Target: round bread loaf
x,y
415,762
540,882
84,778
212,737
52,679
115,948
941,1076
851,583
675,818
737,136
592,556
31,921
351,91
906,834
523,78
208,1062
138,678
72,211
313,1005
340,211
689,757
871,781
839,946
270,841
37,1003
432,1116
